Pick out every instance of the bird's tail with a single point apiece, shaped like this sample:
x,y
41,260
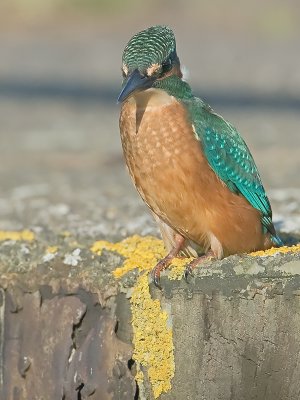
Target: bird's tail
x,y
277,241
269,226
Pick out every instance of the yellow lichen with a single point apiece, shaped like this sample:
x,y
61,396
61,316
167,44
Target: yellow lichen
x,y
277,250
25,235
152,338
139,252
178,267
51,249
66,234
142,253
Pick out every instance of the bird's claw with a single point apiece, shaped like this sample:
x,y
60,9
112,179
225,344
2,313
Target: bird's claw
x,y
193,264
156,281
188,272
156,273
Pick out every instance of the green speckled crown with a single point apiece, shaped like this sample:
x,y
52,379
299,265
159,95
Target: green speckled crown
x,y
150,46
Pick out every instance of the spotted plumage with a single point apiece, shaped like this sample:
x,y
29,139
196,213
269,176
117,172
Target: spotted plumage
x,y
190,166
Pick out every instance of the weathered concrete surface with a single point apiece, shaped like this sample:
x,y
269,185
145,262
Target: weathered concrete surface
x,y
66,325
52,349
58,336
237,336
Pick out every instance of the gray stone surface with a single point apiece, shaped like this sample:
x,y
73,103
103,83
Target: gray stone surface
x,y
235,326
61,346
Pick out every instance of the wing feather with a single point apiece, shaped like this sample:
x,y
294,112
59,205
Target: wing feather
x,y
230,158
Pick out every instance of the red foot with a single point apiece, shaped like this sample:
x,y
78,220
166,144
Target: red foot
x,y
193,264
166,261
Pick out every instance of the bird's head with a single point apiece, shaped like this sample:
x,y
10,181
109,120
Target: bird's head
x,y
148,56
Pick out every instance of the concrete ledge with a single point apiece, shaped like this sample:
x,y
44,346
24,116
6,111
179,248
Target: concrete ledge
x,y
236,336
82,321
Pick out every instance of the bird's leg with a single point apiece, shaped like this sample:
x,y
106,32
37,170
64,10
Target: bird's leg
x,y
199,260
166,261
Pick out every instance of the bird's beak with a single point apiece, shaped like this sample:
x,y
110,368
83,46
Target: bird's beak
x,y
135,81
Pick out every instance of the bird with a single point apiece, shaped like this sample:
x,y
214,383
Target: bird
x,y
190,166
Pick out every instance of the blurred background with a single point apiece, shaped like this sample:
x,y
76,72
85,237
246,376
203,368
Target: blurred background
x,y
61,162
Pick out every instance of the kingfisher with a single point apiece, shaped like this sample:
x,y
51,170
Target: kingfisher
x,y
190,166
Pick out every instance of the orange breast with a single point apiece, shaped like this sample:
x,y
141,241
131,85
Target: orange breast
x,y
173,177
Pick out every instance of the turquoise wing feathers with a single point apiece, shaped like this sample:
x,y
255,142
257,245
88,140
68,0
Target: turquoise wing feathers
x,y
230,158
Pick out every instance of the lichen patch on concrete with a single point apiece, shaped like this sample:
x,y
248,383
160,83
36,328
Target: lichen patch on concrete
x,y
24,235
139,252
253,269
277,250
152,333
291,268
142,253
178,267
52,249
153,339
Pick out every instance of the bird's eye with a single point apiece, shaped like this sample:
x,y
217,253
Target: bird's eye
x,y
167,65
